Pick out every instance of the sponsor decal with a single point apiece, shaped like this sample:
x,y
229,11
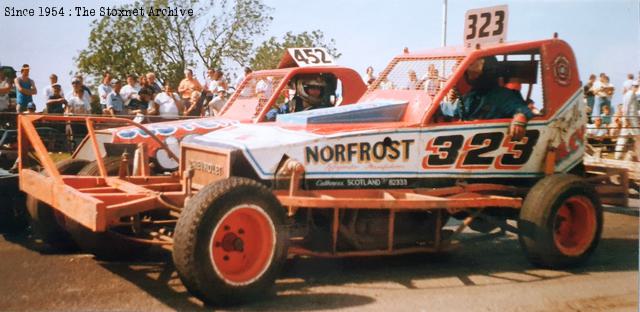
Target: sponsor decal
x,y
206,167
361,152
359,183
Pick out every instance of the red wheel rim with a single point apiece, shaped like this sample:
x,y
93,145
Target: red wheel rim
x,y
574,226
242,245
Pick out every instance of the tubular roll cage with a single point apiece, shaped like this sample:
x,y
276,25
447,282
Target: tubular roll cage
x,y
96,202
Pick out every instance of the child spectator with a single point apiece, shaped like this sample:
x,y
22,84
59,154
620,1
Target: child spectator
x,y
56,103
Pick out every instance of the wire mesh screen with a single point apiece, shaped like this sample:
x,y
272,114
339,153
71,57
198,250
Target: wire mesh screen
x,y
258,88
429,75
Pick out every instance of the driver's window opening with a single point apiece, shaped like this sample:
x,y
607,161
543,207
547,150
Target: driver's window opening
x,y
521,71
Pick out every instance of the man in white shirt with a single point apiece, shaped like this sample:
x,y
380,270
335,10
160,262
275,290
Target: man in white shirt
x,y
629,122
49,90
130,91
104,89
167,104
626,85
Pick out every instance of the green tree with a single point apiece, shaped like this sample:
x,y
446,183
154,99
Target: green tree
x,y
269,52
218,31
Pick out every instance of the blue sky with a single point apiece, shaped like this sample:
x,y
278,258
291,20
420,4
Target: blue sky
x,y
605,35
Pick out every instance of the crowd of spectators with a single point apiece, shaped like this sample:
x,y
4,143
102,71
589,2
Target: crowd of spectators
x,y
142,98
614,129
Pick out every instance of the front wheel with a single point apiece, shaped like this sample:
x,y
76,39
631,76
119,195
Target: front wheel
x,y
560,221
230,242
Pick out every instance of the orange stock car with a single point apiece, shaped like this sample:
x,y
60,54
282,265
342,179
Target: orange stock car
x,y
381,177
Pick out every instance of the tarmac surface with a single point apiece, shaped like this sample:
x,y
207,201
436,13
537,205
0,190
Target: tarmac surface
x,y
487,275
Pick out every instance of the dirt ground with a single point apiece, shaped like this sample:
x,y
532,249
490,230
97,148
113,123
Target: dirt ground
x,y
487,275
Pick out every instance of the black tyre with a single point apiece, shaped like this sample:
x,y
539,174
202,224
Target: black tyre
x,y
230,242
47,223
105,245
560,221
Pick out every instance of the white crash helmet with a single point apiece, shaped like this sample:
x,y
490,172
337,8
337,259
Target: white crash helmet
x,y
303,84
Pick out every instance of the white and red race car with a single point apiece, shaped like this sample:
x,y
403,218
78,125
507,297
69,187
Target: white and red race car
x,y
378,177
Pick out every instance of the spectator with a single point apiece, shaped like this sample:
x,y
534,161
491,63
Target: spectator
x,y
603,91
413,83
78,102
606,115
195,104
5,89
130,91
264,88
385,84
25,89
596,130
616,125
143,83
432,80
588,92
151,77
212,82
629,122
248,89
104,90
370,77
218,102
167,104
187,86
56,103
49,90
114,102
31,108
627,84
84,87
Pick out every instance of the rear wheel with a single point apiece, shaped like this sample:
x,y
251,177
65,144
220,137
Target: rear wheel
x,y
48,223
560,221
230,242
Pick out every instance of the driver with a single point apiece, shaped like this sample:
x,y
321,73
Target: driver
x,y
310,94
488,100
